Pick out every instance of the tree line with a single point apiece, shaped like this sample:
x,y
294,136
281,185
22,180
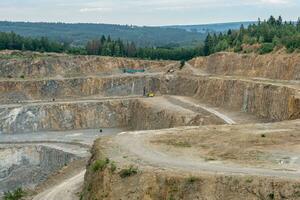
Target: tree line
x,y
105,46
266,35
108,47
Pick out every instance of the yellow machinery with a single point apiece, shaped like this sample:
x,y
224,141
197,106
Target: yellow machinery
x,y
150,94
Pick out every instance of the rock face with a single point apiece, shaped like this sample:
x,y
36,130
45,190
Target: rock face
x,y
274,66
31,65
26,166
131,113
14,91
269,100
64,116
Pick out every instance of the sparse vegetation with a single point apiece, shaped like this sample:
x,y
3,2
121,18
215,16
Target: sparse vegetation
x,y
113,167
100,165
128,172
192,179
18,194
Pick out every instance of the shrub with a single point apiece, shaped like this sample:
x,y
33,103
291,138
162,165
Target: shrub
x,y
182,63
128,172
22,76
100,165
266,48
15,195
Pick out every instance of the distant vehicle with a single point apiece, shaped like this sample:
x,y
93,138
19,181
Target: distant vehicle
x,y
150,94
133,71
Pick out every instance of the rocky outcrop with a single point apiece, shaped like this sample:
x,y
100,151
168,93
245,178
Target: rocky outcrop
x,y
26,166
274,66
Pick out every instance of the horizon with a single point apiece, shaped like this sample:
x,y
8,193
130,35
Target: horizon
x,y
154,13
95,23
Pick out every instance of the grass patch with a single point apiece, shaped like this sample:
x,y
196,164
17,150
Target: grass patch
x,y
128,172
14,195
100,165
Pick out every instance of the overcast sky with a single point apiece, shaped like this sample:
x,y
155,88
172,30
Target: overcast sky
x,y
146,12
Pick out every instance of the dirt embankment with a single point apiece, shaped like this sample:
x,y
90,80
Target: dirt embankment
x,y
15,64
274,66
165,170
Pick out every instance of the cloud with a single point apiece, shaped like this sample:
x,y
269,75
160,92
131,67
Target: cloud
x,y
276,1
95,9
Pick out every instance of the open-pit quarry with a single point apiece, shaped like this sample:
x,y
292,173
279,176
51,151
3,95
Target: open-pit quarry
x,y
223,127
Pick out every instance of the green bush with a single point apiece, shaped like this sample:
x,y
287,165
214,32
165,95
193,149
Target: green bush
x,y
15,195
100,165
128,172
266,48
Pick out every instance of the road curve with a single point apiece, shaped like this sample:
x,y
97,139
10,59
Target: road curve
x,y
137,145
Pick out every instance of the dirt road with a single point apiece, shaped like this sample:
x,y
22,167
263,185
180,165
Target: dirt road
x,y
67,190
138,147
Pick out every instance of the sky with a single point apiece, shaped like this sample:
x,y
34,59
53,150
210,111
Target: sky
x,y
147,12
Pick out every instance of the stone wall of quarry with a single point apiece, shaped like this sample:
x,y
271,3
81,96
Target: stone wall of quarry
x,y
274,66
64,116
130,114
271,101
26,166
29,65
15,91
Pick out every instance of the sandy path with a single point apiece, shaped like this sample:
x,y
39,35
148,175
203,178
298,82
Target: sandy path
x,y
66,190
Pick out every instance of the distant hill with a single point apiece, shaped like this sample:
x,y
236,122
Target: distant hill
x,y
79,34
205,28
